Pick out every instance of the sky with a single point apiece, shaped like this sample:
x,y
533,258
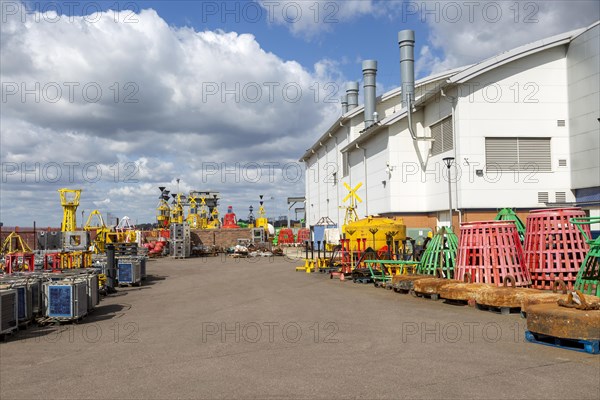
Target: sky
x,y
119,98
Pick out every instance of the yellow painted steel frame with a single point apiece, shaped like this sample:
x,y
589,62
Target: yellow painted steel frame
x,y
14,244
69,199
101,230
75,259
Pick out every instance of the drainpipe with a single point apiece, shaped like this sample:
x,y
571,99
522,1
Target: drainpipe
x,y
308,199
454,103
318,186
326,183
366,180
454,136
337,187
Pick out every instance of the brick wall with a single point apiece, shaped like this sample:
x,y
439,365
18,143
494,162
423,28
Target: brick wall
x,y
27,234
220,237
419,220
429,220
473,216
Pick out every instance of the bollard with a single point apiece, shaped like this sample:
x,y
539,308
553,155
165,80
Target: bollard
x,y
318,249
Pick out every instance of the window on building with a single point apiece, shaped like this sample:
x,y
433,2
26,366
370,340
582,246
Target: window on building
x,y
518,154
443,136
344,165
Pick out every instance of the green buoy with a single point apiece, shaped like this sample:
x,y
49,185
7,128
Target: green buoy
x,y
440,254
508,214
588,277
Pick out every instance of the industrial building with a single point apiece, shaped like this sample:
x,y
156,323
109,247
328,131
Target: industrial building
x,y
520,129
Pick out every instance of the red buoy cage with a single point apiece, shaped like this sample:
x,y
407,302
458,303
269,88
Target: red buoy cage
x,y
554,247
489,251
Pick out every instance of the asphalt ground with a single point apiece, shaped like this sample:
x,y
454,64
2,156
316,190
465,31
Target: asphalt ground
x,y
225,328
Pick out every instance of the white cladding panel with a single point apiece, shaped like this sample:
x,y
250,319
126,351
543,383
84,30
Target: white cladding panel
x,y
583,72
526,98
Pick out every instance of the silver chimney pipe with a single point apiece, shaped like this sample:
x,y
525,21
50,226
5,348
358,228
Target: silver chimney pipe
x,y
344,100
406,41
352,93
369,68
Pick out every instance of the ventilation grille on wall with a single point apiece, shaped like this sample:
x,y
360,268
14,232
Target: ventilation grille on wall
x,y
522,154
561,197
562,163
542,197
560,122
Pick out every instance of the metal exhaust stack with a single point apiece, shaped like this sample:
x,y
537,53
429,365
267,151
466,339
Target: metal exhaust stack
x,y
352,93
344,100
406,41
369,68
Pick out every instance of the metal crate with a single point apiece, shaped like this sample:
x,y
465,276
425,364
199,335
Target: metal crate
x,y
8,310
66,299
143,268
25,313
130,271
36,296
180,248
92,291
180,231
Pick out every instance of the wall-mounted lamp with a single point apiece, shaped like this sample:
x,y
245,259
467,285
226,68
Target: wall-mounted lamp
x,y
389,168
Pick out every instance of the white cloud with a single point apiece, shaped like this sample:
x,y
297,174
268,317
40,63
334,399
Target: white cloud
x,y
102,203
310,18
197,97
462,33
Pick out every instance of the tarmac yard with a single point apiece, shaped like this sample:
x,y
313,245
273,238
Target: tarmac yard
x,y
255,328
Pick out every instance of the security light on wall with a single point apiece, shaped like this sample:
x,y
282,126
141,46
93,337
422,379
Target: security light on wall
x,y
389,168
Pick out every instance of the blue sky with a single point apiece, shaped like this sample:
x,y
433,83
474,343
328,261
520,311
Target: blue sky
x,y
346,40
118,98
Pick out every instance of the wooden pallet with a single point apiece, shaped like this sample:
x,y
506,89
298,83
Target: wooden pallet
x,y
430,296
404,287
25,325
586,346
4,336
499,310
45,321
130,284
